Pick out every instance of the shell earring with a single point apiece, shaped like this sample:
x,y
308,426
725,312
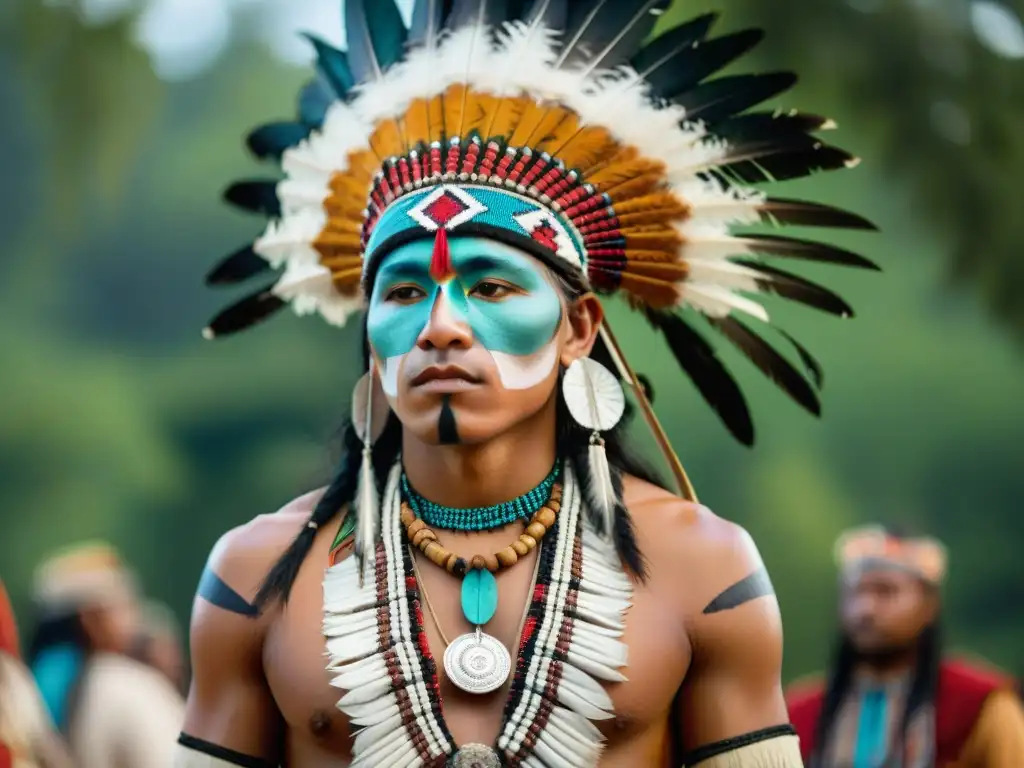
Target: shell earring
x,y
369,415
596,402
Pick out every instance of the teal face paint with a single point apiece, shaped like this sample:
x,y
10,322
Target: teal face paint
x,y
519,323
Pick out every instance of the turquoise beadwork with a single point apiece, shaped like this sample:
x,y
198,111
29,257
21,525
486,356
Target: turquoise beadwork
x,y
479,596
481,518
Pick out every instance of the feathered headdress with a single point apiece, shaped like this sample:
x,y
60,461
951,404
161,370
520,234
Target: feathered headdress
x,y
553,126
873,546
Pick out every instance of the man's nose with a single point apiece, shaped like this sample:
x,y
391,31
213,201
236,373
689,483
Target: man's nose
x,y
446,328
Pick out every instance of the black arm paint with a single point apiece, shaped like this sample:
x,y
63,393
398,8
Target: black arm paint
x,y
752,587
213,589
223,753
447,431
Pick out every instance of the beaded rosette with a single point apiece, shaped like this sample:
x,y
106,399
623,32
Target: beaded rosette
x,y
571,640
561,128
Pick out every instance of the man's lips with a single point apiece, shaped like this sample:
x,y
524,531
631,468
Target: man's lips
x,y
444,376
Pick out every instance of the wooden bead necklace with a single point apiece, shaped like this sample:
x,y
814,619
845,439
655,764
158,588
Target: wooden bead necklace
x,y
424,539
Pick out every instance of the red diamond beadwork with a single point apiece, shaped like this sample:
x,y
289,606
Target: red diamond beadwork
x,y
444,209
545,234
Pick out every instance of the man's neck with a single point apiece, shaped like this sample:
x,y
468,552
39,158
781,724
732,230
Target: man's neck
x,y
483,474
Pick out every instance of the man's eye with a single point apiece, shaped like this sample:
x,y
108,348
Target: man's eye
x,y
488,289
405,293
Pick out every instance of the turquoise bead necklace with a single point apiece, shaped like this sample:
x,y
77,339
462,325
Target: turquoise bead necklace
x,y
480,518
477,662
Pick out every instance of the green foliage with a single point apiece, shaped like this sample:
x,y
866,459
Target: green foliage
x,y
122,423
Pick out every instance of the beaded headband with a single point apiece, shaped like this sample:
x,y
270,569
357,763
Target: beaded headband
x,y
553,126
872,546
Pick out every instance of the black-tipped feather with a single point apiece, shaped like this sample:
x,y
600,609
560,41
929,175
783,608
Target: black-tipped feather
x,y
376,37
772,364
801,213
714,382
592,29
257,196
628,33
761,126
315,99
701,60
783,161
271,140
810,362
795,248
240,265
428,17
727,96
798,289
665,47
246,313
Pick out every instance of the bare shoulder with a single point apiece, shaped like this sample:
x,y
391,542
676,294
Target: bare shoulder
x,y
714,562
243,555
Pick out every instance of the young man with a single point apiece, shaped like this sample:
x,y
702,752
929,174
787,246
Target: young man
x,y
892,698
488,543
116,712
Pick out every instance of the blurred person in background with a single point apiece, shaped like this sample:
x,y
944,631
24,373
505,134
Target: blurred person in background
x,y
27,736
159,644
115,711
892,698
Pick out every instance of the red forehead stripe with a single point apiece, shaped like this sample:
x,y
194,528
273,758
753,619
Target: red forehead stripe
x,y
441,260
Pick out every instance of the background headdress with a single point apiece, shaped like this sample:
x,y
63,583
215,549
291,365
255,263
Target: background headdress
x,y
873,546
552,125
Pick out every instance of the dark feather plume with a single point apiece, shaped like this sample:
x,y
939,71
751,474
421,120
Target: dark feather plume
x,y
795,248
801,213
663,49
428,18
714,382
551,14
767,358
271,140
691,65
795,288
724,97
783,160
810,362
332,65
607,32
240,265
376,37
256,196
315,99
490,13
246,313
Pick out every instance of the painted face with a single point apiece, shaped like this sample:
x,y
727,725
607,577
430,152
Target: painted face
x,y
473,333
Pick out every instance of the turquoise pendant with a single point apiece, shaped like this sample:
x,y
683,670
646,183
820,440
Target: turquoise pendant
x,y
479,596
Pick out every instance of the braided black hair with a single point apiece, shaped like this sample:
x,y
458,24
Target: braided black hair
x,y
572,442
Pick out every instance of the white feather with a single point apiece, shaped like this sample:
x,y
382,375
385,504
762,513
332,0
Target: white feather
x,y
310,288
600,491
367,508
716,301
290,240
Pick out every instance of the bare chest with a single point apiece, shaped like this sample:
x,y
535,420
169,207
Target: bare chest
x,y
295,661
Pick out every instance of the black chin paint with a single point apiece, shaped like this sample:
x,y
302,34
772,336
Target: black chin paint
x,y
447,432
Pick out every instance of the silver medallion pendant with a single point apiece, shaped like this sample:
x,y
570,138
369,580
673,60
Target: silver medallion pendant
x,y
477,663
476,756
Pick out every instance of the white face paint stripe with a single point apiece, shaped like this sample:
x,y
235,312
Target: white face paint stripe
x,y
523,372
389,375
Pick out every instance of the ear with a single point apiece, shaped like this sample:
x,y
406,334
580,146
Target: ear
x,y
583,321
